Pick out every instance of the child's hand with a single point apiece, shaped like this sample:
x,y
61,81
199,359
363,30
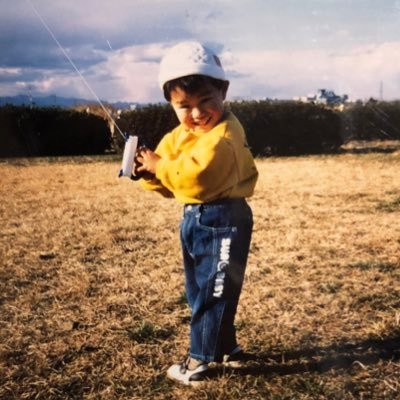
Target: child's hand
x,y
148,160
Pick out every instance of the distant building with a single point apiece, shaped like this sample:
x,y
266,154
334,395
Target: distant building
x,y
326,97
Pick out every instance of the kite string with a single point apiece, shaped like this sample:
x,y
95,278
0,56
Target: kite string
x,y
75,67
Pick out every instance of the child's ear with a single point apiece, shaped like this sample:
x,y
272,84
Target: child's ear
x,y
225,89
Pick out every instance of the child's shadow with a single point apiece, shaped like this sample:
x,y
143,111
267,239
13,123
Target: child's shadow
x,y
319,359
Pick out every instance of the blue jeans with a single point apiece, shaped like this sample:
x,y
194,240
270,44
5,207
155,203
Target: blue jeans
x,y
215,240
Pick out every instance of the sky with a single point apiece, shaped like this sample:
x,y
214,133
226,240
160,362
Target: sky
x,y
277,49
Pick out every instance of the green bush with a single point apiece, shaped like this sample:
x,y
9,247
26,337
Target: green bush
x,y
26,131
288,128
272,128
372,121
151,123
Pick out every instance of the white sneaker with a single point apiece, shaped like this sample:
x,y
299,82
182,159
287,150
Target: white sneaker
x,y
189,372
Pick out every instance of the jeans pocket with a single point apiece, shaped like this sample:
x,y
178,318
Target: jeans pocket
x,y
215,218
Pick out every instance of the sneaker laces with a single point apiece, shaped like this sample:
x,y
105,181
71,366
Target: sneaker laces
x,y
190,364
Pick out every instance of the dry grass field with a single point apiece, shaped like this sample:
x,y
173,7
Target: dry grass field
x,y
92,304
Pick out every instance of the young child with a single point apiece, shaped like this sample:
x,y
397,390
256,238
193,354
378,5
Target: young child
x,y
205,163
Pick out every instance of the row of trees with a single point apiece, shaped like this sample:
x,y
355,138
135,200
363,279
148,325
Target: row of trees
x,y
272,127
26,131
284,127
372,121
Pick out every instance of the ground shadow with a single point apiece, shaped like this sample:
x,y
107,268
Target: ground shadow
x,y
318,359
368,150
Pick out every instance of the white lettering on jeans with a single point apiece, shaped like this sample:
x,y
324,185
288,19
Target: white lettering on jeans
x,y
221,267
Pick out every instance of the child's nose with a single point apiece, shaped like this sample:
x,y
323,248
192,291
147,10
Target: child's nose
x,y
197,112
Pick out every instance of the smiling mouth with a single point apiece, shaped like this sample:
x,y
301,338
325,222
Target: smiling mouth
x,y
202,123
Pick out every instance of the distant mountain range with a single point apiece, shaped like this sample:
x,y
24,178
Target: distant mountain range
x,y
63,102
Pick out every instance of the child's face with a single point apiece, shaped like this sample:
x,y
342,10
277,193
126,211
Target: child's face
x,y
200,111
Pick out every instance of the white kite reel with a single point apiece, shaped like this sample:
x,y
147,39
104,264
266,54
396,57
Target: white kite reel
x,y
129,163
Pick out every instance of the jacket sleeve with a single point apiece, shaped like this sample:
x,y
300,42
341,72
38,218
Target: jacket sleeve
x,y
150,182
155,185
202,173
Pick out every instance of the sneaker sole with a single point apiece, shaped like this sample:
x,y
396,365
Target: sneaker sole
x,y
189,381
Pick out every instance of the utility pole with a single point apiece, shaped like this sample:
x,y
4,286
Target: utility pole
x,y
381,91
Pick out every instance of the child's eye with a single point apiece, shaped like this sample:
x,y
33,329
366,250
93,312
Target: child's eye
x,y
205,100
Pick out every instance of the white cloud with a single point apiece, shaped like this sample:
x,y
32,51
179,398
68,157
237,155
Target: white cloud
x,y
132,74
5,72
356,71
272,49
129,74
51,82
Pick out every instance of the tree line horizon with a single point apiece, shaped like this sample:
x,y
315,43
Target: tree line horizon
x,y
273,128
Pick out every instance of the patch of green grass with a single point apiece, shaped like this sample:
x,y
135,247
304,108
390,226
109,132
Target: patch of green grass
x,y
182,299
374,265
312,386
379,301
330,287
146,332
389,206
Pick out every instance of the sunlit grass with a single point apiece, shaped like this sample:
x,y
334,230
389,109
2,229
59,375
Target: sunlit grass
x,y
92,303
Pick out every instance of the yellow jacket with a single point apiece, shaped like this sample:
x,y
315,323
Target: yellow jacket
x,y
200,168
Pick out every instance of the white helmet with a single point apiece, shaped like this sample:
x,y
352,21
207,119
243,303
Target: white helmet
x,y
189,58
